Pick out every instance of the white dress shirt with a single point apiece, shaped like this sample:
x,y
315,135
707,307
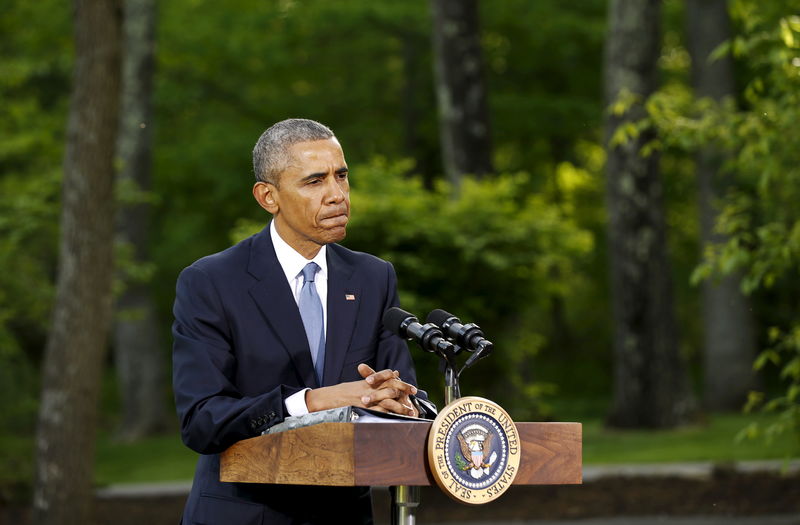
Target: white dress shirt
x,y
292,264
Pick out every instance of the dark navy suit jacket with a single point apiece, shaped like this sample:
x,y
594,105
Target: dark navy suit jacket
x,y
240,349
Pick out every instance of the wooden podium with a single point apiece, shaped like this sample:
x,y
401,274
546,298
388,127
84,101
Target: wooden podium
x,y
387,454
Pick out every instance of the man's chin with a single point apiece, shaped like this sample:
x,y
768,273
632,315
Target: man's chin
x,y
335,234
339,234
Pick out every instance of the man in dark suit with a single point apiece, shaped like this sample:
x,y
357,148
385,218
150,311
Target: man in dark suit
x,y
250,351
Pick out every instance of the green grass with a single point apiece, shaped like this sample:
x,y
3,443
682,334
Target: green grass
x,y
715,440
165,458
161,458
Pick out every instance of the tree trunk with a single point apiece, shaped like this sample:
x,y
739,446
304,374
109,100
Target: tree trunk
x,y
729,345
81,313
650,382
460,89
138,352
413,144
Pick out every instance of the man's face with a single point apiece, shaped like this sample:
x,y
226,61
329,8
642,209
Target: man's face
x,y
312,199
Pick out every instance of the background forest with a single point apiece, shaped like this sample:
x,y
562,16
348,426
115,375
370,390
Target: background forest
x,y
608,188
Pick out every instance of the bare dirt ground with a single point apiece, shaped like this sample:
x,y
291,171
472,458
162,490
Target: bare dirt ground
x,y
724,493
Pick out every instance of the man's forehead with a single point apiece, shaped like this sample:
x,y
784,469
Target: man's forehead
x,y
316,151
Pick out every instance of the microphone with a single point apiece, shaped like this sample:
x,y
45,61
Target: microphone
x,y
468,336
428,336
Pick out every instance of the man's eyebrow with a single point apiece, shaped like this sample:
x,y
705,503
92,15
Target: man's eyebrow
x,y
313,176
322,174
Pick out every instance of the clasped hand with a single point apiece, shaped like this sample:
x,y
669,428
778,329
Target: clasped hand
x,y
383,391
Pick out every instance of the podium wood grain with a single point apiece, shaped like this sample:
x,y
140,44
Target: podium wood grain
x,y
383,454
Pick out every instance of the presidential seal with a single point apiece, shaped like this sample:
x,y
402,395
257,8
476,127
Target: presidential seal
x,y
473,450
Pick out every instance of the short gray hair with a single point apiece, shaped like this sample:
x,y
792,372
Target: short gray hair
x,y
271,154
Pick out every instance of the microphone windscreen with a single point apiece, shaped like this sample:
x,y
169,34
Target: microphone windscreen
x,y
393,318
438,317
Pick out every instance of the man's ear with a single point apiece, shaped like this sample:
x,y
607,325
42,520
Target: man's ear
x,y
264,193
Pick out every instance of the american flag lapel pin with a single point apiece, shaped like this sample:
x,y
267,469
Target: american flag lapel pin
x,y
349,297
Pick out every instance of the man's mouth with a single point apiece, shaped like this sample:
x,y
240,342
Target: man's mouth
x,y
339,219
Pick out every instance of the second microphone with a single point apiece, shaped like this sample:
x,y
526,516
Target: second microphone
x,y
428,336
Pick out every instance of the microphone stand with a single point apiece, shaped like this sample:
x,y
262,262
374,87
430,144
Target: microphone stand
x,y
452,389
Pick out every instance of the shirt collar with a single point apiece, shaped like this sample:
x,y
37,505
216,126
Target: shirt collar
x,y
291,261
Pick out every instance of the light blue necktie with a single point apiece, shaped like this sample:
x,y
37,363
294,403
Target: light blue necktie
x,y
311,312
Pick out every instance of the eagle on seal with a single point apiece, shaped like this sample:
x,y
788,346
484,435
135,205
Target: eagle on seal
x,y
475,451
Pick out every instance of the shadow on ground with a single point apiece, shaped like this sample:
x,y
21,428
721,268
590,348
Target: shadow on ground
x,y
724,493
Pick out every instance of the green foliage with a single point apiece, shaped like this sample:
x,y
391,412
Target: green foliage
x,y
362,67
343,64
759,216
784,351
544,71
496,254
31,124
34,69
34,72
461,462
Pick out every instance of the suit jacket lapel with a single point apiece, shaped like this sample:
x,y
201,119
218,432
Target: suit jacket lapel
x,y
343,302
276,302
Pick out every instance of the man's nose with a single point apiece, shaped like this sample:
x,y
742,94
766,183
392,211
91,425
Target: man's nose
x,y
335,193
